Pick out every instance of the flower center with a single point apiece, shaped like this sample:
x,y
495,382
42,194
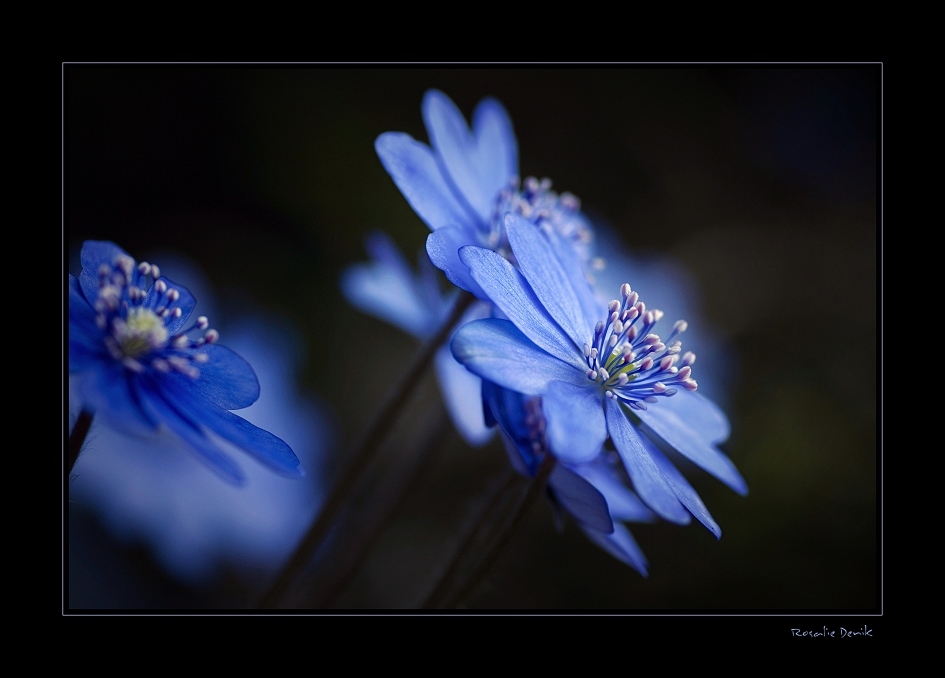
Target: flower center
x,y
543,207
630,362
142,331
134,308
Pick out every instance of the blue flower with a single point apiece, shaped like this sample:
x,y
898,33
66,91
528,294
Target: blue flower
x,y
154,490
464,184
387,288
600,370
138,368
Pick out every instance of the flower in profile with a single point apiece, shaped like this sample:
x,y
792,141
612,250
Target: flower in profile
x,y
387,288
466,181
600,369
140,367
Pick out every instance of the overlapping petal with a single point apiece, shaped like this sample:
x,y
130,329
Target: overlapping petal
x,y
576,427
497,351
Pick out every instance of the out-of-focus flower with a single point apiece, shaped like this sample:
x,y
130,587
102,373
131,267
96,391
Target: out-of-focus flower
x,y
600,370
464,184
387,288
138,369
154,490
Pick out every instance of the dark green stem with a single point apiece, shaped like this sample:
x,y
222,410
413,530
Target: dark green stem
x,y
532,492
79,431
469,541
383,509
360,458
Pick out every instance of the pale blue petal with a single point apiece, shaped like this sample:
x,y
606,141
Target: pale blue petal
x,y
683,490
414,169
623,504
622,546
476,165
508,290
443,249
580,499
497,351
462,393
386,288
699,412
497,144
575,269
226,379
683,435
575,418
551,282
643,471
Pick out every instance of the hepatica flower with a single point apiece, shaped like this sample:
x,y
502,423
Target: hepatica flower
x,y
142,364
600,369
466,181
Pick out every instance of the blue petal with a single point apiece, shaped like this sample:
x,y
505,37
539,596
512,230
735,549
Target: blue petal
x,y
576,428
185,303
509,412
623,504
497,351
462,393
181,424
551,282
580,499
386,288
226,379
414,169
622,546
643,471
497,144
86,345
264,446
512,294
94,254
477,167
576,271
683,490
443,249
111,392
678,427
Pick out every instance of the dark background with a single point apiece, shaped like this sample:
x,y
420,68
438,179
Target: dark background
x,y
764,181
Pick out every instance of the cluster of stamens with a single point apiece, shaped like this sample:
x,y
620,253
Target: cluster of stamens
x,y
134,307
535,201
631,363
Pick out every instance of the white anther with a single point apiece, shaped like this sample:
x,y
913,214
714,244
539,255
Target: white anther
x,y
155,271
587,350
144,268
623,379
181,341
651,339
684,372
688,358
177,313
604,374
659,387
160,287
666,363
613,305
203,323
625,290
690,385
680,326
211,336
173,295
592,374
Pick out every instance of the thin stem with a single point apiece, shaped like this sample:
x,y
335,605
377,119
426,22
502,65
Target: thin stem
x,y
448,576
362,455
383,509
81,429
505,536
